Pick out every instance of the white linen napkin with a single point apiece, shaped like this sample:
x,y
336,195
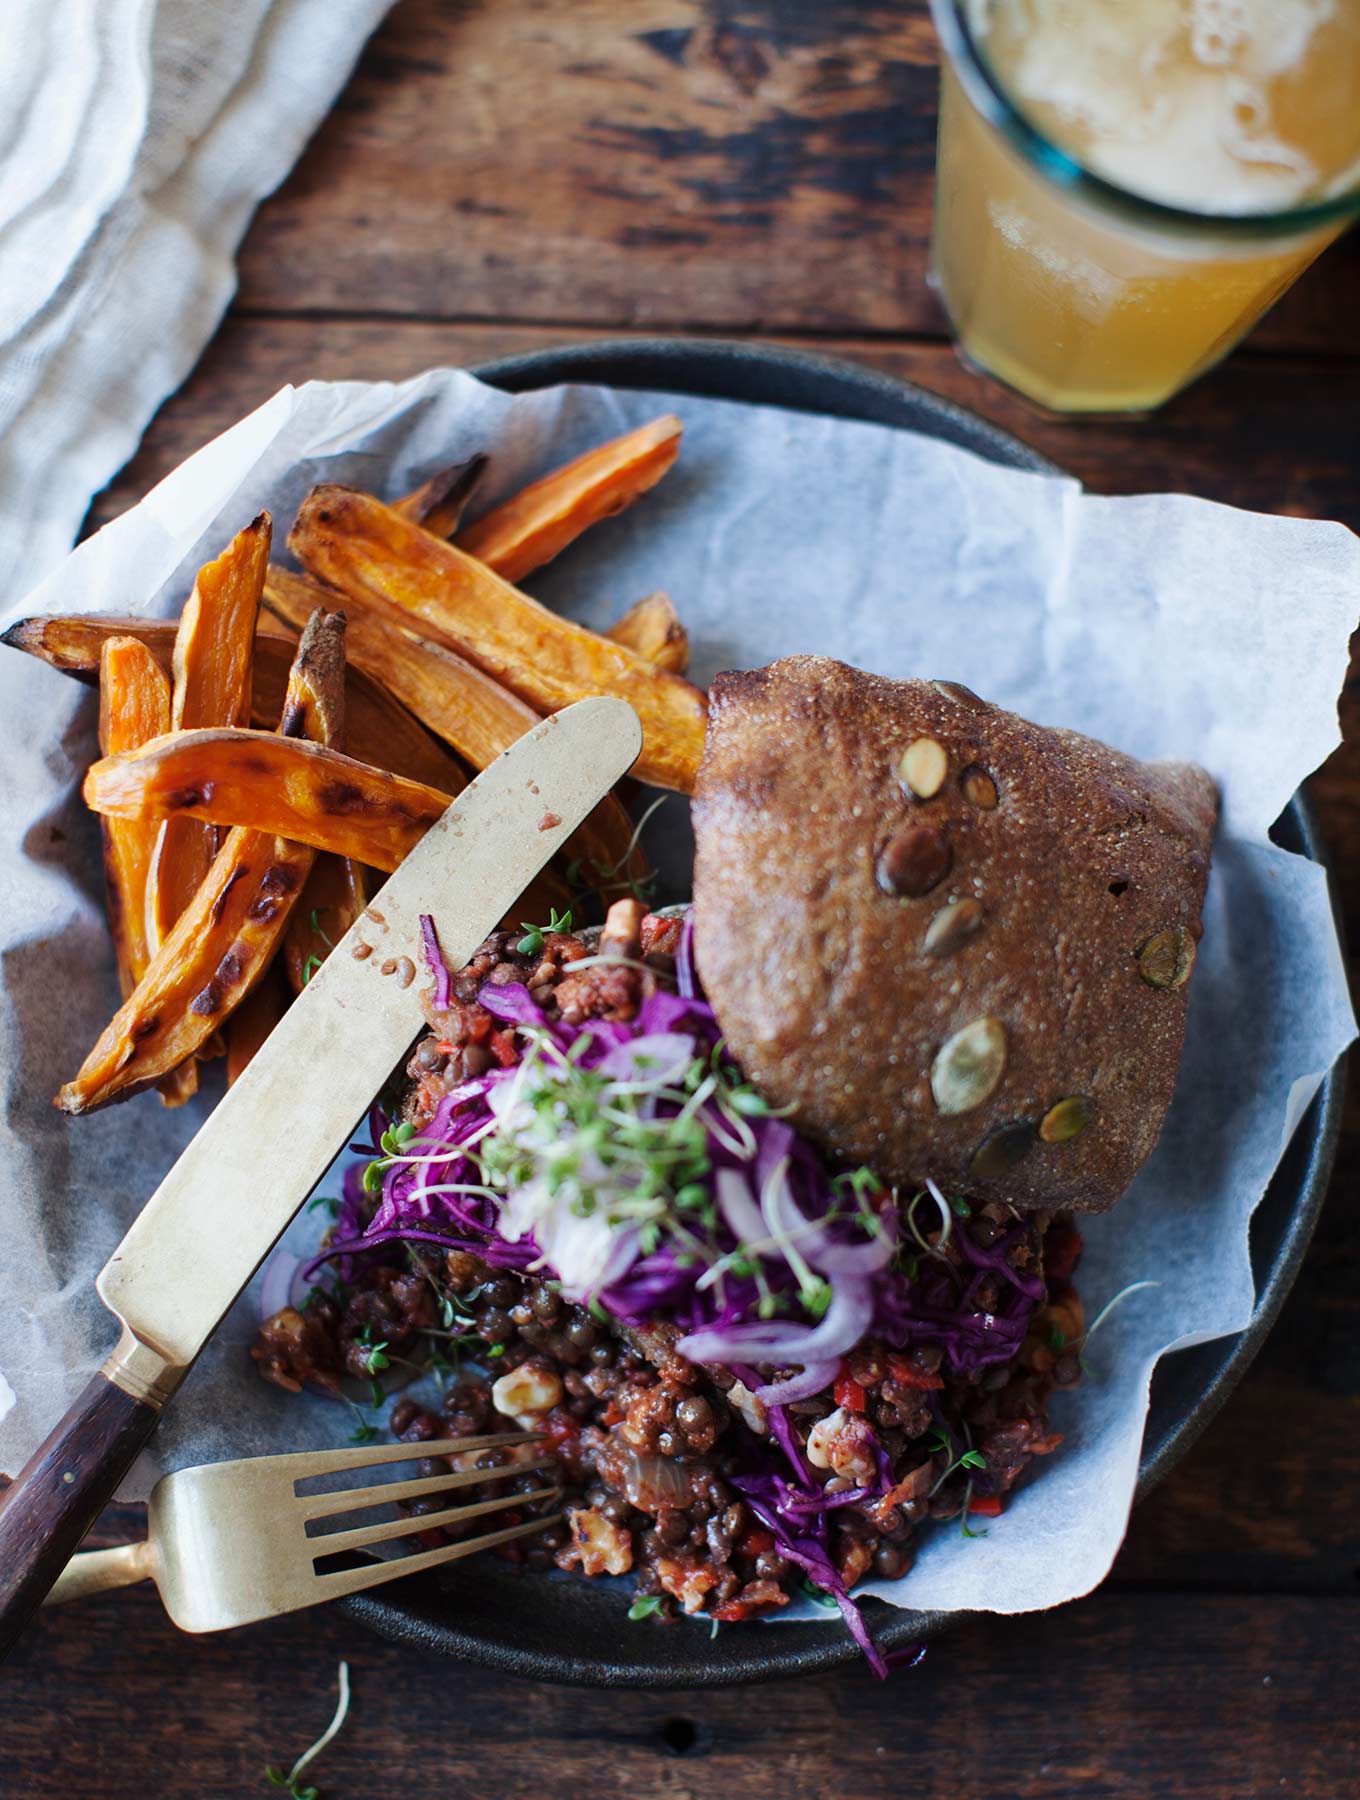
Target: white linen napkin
x,y
136,139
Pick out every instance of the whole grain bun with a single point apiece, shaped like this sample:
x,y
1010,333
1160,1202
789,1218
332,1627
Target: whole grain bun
x,y
956,944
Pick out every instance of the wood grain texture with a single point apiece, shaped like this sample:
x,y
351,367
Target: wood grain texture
x,y
1279,434
1191,1697
741,165
57,1495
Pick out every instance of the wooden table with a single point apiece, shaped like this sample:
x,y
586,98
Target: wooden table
x,y
524,172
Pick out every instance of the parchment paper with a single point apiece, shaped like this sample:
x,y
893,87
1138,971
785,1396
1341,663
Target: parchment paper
x,y
1167,625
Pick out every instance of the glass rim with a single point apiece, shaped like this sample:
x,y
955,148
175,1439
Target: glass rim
x,y
1068,172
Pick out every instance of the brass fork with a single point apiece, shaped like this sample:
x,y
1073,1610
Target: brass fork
x,y
228,1543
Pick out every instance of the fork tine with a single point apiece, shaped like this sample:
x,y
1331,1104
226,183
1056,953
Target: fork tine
x,y
354,1581
343,1500
362,1536
332,1462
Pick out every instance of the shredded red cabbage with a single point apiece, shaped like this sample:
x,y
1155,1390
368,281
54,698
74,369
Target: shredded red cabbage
x,y
434,957
433,1192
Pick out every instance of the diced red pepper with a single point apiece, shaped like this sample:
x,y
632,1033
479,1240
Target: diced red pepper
x,y
614,1413
503,1048
756,1540
987,1506
849,1393
446,1047
906,1374
732,1612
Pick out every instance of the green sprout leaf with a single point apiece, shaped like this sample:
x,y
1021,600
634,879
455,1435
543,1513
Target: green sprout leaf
x,y
290,1782
644,1606
817,1595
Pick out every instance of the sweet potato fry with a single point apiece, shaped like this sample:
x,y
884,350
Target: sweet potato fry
x,y
334,896
356,544
285,786
378,728
255,1018
216,950
332,900
214,646
134,705
531,527
454,698
653,628
439,503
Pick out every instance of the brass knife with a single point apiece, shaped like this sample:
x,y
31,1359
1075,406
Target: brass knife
x,y
206,1229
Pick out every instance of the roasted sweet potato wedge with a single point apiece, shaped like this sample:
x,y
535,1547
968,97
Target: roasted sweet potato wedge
x,y
534,525
285,786
218,947
214,647
134,705
439,503
457,700
370,553
378,727
652,627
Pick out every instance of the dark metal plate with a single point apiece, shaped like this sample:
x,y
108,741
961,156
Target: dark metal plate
x,y
562,1629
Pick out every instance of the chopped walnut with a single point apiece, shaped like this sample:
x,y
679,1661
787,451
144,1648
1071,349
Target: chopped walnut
x,y
688,1584
598,1546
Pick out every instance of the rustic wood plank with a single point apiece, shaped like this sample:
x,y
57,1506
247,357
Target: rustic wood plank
x,y
1289,423
1076,1705
758,167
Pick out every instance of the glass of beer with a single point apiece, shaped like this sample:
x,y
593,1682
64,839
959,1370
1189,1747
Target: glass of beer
x,y
1125,186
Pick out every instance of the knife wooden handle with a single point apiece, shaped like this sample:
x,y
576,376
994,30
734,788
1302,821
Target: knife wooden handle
x,y
59,1493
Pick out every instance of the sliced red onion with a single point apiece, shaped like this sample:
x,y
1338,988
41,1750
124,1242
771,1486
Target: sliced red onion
x,y
738,1207
277,1289
650,1481
812,1239
812,1380
660,1058
858,1259
781,1341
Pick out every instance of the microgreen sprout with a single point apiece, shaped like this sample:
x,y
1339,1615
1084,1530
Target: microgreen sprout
x,y
818,1596
315,960
375,1358
940,1443
392,1143
289,1782
531,944
644,1606
328,1201
610,877
1080,1344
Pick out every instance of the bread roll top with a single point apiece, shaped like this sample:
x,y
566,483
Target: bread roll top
x,y
953,943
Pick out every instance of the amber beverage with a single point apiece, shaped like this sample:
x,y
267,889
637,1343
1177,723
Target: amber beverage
x,y
1125,186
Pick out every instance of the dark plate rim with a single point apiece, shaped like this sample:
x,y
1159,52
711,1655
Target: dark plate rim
x,y
426,1615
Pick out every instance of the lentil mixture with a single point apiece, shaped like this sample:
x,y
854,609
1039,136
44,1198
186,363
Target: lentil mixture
x,y
652,1448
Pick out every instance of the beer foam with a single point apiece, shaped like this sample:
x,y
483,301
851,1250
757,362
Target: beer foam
x,y
1171,99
